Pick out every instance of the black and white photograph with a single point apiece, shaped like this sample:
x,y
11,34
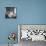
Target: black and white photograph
x,y
10,12
31,34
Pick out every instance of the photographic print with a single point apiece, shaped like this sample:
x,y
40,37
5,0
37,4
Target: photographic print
x,y
10,12
30,34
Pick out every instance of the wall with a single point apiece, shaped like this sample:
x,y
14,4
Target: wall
x,y
28,12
